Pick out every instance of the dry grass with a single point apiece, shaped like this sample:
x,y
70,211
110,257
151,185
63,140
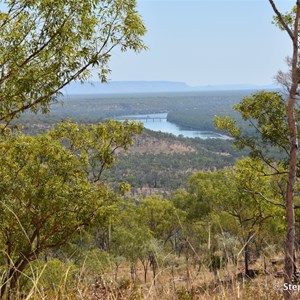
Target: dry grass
x,y
169,284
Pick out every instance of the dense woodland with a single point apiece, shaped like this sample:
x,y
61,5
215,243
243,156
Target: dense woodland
x,y
101,107
148,164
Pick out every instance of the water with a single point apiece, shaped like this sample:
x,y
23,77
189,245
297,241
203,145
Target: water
x,y
158,122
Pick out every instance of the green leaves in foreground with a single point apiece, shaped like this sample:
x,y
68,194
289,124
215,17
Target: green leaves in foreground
x,y
51,186
45,45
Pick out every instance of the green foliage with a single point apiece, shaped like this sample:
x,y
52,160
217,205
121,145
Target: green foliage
x,y
201,114
54,274
238,192
193,201
266,113
183,294
288,18
142,231
95,262
268,110
193,118
160,216
152,170
67,39
220,190
231,204
48,191
131,242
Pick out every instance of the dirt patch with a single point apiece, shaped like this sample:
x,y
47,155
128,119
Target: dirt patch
x,y
146,143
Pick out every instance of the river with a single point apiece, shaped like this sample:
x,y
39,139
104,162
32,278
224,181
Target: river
x,y
158,122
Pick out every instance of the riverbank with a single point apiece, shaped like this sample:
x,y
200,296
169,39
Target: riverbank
x,y
159,122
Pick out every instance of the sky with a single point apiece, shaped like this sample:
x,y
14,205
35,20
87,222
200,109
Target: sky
x,y
207,43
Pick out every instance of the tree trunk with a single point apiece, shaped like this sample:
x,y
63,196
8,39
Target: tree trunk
x,y
289,266
10,281
153,264
246,258
290,235
133,271
145,266
116,271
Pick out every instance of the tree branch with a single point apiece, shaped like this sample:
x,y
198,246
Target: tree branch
x,y
265,198
282,22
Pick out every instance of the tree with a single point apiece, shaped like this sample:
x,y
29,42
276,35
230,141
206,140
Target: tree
x,y
234,197
289,23
51,187
239,195
45,45
265,112
196,203
130,238
293,135
160,216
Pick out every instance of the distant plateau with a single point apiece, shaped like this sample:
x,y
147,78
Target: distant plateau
x,y
135,87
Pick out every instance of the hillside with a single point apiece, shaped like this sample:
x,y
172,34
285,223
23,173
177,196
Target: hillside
x,y
154,156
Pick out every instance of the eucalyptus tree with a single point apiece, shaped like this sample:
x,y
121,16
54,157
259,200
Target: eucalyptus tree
x,y
292,29
293,135
160,216
266,113
51,188
234,198
45,45
288,22
130,238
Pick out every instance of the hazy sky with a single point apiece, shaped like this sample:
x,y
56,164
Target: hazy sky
x,y
207,42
